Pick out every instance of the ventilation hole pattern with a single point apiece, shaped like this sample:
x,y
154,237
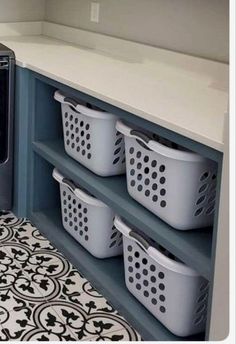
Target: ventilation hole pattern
x,y
199,319
78,134
116,238
119,150
202,298
146,277
204,286
149,282
205,202
147,176
75,215
201,304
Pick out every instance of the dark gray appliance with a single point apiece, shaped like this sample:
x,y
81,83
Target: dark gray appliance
x,y
7,71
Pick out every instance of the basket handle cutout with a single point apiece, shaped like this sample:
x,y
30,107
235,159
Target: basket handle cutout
x,y
141,138
69,183
140,240
71,101
77,191
154,253
140,135
75,105
152,145
80,193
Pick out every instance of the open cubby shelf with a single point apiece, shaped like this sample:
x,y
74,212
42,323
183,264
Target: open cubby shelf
x,y
192,247
107,275
39,121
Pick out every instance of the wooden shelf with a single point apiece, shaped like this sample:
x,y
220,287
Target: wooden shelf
x,y
192,247
107,275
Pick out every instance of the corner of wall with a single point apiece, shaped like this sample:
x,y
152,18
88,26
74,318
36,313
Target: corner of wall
x,y
45,10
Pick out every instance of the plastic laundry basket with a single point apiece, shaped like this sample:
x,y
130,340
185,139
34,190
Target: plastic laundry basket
x,y
173,292
90,137
88,220
177,185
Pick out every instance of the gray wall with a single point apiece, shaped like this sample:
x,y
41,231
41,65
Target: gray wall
x,y
197,27
21,10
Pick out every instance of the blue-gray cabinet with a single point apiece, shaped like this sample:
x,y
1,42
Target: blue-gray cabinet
x,y
39,148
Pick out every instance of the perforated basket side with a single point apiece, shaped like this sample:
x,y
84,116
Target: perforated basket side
x,y
88,220
171,189
93,142
77,134
174,299
91,226
173,292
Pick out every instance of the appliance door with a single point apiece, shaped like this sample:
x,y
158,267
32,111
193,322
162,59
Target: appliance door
x,y
4,97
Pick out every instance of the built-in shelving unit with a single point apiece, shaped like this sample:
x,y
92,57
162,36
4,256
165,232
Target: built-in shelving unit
x,y
107,275
192,247
45,150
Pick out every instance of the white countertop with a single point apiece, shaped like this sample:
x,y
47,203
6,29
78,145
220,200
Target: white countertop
x,y
181,93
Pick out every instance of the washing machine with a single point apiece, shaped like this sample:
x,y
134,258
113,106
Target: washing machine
x,y
7,85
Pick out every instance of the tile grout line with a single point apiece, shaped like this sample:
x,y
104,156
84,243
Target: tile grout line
x,y
114,331
48,301
55,250
83,292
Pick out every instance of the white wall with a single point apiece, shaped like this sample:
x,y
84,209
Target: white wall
x,y
21,10
197,27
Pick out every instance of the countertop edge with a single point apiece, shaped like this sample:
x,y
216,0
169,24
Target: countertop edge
x,y
219,146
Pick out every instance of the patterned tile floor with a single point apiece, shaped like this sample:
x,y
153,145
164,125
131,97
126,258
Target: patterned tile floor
x,y
44,298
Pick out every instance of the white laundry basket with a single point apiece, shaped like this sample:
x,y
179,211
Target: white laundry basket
x,y
90,137
88,220
173,292
177,185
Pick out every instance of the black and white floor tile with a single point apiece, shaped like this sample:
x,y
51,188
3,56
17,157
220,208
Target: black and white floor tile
x,y
44,298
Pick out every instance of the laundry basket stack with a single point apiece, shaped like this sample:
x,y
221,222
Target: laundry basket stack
x,y
179,187
175,184
90,138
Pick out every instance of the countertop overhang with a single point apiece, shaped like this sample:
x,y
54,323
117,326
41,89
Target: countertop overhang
x,y
182,93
